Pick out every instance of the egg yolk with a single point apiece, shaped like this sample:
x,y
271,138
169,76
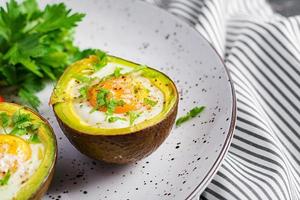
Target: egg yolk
x,y
122,88
14,146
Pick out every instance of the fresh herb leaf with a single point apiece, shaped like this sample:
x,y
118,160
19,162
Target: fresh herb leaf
x,y
102,56
18,119
23,124
34,138
18,131
57,16
35,126
82,54
28,97
111,106
109,103
5,179
150,102
4,120
33,84
182,119
191,114
117,72
133,116
102,97
83,91
195,111
114,119
20,122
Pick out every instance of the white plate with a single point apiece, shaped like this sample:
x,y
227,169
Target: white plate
x,y
186,162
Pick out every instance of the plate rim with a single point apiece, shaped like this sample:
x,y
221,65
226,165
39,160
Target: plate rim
x,y
218,162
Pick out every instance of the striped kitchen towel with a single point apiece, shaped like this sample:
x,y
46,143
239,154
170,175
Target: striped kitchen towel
x,y
262,51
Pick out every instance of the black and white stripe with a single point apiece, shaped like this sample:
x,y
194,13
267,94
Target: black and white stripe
x,y
262,51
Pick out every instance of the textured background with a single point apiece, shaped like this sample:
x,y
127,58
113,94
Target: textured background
x,y
286,7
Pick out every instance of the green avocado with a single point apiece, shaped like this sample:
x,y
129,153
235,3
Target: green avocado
x,y
16,121
114,145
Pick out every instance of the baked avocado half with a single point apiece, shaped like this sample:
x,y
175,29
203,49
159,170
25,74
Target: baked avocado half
x,y
27,153
114,110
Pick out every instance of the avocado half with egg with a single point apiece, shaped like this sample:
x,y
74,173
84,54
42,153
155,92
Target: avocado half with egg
x,y
27,153
114,110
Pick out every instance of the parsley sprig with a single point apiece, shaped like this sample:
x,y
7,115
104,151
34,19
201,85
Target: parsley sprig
x,y
36,45
191,114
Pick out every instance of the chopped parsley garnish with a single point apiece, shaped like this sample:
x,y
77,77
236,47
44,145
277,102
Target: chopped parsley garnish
x,y
191,114
117,72
102,56
112,104
109,104
102,97
4,120
114,119
83,91
150,102
133,116
5,179
18,131
21,124
34,138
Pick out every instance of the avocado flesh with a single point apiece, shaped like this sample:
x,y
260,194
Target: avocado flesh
x,y
116,145
39,182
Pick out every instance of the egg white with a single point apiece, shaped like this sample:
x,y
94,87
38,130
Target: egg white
x,y
23,173
98,118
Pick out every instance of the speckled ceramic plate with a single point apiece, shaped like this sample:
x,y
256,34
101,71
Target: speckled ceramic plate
x,y
185,163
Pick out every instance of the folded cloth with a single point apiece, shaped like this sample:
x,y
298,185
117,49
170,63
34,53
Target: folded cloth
x,y
262,51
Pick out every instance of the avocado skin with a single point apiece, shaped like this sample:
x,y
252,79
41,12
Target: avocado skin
x,y
122,149
44,187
